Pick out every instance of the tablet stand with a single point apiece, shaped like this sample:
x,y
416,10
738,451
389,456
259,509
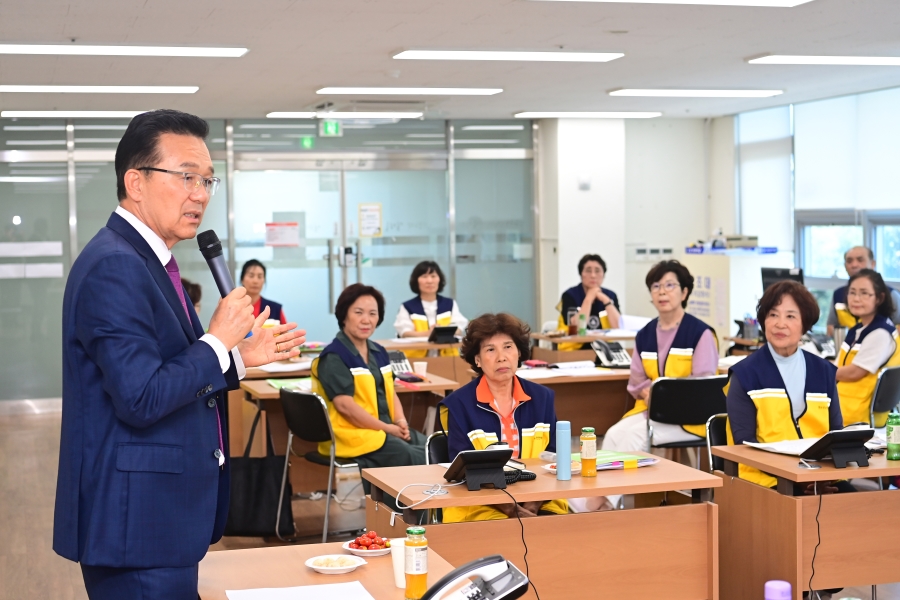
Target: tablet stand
x,y
847,453
477,478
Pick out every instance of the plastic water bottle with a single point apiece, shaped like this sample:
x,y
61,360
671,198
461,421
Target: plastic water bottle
x,y
778,590
893,437
563,450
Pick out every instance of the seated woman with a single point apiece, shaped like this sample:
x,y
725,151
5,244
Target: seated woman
x,y
598,304
870,346
781,392
418,316
253,278
354,376
498,406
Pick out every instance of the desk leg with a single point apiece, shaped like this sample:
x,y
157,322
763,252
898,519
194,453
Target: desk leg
x,y
785,486
731,468
701,495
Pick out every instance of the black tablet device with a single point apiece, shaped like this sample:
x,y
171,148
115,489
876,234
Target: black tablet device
x,y
844,445
443,335
479,468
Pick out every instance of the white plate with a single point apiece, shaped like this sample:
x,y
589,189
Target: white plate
x,y
576,468
334,570
360,552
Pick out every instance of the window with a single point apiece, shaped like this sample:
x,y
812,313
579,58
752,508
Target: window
x,y
824,247
887,250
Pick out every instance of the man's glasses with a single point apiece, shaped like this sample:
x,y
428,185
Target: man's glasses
x,y
192,181
668,286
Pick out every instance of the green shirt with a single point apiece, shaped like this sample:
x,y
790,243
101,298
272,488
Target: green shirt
x,y
337,380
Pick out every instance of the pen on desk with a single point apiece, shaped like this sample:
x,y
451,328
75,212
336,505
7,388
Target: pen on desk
x,y
408,385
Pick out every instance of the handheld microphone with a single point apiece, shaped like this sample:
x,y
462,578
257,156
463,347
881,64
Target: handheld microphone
x,y
211,249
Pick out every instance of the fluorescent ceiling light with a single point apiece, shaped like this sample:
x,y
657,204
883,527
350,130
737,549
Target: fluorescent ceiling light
x,y
78,50
71,114
425,135
34,128
769,3
32,179
290,115
411,91
101,127
493,128
865,61
505,55
587,115
369,115
344,115
35,142
699,93
457,142
98,89
277,126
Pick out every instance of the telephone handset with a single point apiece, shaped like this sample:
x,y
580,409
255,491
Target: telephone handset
x,y
818,343
491,578
399,362
611,354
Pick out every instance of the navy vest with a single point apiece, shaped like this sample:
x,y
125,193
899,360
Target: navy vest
x,y
414,306
274,308
688,335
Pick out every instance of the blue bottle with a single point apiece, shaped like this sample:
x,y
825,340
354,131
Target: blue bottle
x,y
563,450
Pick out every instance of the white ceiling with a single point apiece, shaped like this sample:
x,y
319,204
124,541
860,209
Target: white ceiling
x,y
297,47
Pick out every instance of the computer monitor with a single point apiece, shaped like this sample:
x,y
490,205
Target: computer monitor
x,y
771,275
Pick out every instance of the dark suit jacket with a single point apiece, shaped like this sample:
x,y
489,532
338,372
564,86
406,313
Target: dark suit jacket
x,y
139,485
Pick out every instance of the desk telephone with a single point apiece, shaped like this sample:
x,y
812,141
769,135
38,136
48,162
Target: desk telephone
x,y
401,367
818,343
611,354
490,578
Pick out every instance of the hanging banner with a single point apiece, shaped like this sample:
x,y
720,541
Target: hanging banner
x,y
282,234
370,220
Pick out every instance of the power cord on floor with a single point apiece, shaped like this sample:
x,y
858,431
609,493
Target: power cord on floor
x,y
522,527
818,541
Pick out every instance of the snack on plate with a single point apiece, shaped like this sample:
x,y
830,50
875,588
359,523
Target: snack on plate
x,y
335,562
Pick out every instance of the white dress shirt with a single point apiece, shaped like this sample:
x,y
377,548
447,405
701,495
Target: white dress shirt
x,y
164,255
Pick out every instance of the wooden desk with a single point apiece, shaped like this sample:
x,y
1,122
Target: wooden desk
x,y
597,401
555,355
606,553
283,566
773,535
306,476
448,367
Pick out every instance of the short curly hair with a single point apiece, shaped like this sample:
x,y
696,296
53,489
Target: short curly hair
x,y
806,302
351,294
483,328
685,279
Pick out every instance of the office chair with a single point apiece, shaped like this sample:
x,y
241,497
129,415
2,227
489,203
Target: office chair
x,y
716,435
684,401
307,418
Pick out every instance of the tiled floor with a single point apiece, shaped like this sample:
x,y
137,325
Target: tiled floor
x,y
29,451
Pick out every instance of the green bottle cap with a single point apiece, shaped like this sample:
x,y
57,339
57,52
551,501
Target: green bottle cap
x,y
587,430
415,531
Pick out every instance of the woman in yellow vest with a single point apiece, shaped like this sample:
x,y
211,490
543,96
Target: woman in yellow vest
x,y
870,346
428,309
781,392
354,375
498,406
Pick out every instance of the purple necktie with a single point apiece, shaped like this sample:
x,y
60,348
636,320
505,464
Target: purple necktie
x,y
175,276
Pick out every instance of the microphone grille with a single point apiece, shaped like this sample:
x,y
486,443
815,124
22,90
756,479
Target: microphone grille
x,y
209,243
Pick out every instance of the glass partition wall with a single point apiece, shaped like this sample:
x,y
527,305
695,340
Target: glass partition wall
x,y
320,212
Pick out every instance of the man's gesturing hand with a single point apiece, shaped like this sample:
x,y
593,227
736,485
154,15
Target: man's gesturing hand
x,y
269,344
233,318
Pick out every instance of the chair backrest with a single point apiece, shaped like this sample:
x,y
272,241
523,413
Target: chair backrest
x,y
716,435
887,390
306,415
687,400
436,450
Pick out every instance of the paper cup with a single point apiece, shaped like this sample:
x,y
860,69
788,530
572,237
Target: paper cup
x,y
398,559
420,368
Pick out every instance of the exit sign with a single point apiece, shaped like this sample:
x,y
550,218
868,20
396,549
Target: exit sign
x,y
330,128
307,142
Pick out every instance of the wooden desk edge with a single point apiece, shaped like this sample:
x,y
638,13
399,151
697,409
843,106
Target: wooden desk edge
x,y
757,459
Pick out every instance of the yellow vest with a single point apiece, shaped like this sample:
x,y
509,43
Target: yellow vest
x,y
844,317
856,396
420,323
349,439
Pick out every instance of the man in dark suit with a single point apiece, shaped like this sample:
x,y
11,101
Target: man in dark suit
x,y
143,471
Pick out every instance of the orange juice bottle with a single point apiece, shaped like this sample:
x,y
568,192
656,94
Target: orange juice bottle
x,y
416,563
588,452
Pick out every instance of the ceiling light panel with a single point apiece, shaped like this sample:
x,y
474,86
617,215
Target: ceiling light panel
x,y
862,61
587,115
766,3
98,89
369,115
493,128
290,115
71,114
410,91
698,93
508,55
79,50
